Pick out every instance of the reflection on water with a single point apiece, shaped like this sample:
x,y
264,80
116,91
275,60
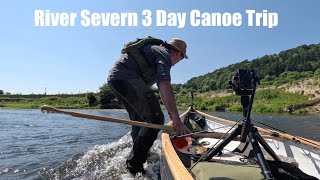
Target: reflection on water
x,y
36,145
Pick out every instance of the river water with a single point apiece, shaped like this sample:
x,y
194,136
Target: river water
x,y
55,146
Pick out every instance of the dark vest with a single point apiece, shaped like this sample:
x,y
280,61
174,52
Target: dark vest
x,y
134,49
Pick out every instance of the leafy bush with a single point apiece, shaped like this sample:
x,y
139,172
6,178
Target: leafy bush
x,y
317,73
92,100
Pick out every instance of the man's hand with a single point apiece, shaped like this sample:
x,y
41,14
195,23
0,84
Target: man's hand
x,y
179,127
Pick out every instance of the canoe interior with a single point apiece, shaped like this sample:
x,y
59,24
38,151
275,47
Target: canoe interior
x,y
237,160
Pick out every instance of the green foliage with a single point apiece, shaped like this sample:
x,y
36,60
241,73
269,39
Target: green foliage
x,y
317,73
267,94
277,69
177,87
107,98
51,100
92,100
1,92
291,76
105,95
34,102
266,101
235,107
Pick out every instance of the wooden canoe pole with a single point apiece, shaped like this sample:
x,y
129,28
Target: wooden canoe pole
x,y
49,109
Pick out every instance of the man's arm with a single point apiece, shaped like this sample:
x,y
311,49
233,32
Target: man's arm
x,y
168,99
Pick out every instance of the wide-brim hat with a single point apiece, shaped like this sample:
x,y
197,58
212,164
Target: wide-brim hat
x,y
179,45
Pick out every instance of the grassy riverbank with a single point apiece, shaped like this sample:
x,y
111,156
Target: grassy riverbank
x,y
78,101
266,101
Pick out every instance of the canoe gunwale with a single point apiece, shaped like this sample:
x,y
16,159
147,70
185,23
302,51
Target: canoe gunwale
x,y
302,140
175,166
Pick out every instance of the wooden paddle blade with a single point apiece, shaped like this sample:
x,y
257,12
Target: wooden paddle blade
x,y
48,109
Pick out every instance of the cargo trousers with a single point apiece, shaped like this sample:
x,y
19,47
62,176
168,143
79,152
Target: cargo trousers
x,y
142,105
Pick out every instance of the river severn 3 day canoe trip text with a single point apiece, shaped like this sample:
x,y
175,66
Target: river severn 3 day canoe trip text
x,y
159,18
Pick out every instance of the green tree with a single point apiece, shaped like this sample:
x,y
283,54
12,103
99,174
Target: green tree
x,y
1,92
106,97
177,87
92,100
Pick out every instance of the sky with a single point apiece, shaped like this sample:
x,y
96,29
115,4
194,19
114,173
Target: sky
x,y
72,59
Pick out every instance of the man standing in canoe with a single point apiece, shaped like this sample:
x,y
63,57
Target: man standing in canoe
x,y
143,63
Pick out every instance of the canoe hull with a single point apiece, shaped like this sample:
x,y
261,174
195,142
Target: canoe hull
x,y
171,165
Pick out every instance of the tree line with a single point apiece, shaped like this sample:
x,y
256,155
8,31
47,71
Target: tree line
x,y
276,69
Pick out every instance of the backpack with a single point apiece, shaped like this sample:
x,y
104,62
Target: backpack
x,y
133,49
